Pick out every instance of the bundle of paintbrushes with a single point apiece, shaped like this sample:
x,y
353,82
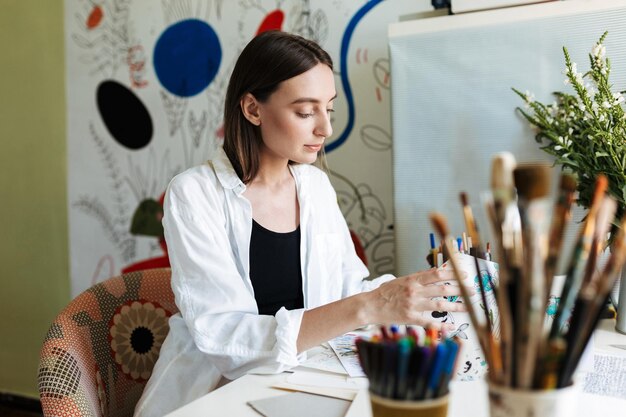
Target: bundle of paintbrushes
x,y
529,231
408,367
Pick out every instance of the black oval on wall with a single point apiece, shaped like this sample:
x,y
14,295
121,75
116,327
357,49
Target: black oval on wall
x,y
124,114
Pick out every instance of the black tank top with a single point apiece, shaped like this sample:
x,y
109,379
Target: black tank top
x,y
275,269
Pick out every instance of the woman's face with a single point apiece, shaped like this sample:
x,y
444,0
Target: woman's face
x,y
295,120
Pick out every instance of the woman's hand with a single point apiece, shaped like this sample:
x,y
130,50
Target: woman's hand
x,y
403,300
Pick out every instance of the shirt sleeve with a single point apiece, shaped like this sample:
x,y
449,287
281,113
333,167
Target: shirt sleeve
x,y
214,298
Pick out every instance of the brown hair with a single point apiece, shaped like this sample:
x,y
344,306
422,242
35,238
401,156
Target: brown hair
x,y
267,60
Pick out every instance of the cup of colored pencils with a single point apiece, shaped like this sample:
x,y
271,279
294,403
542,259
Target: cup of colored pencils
x,y
408,372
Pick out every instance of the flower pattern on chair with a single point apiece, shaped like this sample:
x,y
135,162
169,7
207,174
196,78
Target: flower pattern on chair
x,y
99,352
137,331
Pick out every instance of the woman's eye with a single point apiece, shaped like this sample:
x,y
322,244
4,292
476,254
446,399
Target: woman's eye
x,y
329,111
305,115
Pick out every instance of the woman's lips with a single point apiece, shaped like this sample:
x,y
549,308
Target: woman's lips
x,y
314,148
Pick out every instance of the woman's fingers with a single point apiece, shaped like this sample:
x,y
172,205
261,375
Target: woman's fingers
x,y
406,299
437,325
431,291
433,275
444,305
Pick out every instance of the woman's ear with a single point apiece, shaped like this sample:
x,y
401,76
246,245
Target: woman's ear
x,y
250,108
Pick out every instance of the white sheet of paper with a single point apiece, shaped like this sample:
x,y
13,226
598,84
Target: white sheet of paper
x,y
345,349
608,376
301,404
326,379
342,393
323,358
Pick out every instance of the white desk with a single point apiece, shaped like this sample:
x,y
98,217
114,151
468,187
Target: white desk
x,y
466,399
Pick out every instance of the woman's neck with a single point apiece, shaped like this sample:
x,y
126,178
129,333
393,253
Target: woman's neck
x,y
272,172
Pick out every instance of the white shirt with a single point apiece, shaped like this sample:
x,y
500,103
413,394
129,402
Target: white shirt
x,y
218,332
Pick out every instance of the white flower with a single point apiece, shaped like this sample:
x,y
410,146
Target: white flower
x,y
598,51
529,97
594,107
617,99
554,110
606,104
601,118
579,77
564,141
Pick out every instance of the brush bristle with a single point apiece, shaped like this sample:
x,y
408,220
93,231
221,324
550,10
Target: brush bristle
x,y
440,225
532,180
606,211
502,166
464,199
602,183
568,182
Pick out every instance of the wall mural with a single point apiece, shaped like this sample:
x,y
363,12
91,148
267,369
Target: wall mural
x,y
145,87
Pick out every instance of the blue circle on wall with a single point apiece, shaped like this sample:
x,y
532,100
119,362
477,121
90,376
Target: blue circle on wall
x,y
187,56
125,116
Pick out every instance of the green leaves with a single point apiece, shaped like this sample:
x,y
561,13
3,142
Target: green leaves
x,y
585,130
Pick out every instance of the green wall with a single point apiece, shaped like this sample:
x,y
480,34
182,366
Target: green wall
x,y
34,266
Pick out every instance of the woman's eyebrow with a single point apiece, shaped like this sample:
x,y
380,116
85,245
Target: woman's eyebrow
x,y
310,100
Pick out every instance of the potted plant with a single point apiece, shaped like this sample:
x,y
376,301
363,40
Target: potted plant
x,y
585,131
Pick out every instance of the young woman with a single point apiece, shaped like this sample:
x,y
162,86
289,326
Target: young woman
x,y
263,267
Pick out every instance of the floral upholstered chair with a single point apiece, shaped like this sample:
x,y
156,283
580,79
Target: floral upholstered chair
x,y
100,350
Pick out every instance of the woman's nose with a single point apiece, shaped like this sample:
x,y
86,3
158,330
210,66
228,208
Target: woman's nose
x,y
324,127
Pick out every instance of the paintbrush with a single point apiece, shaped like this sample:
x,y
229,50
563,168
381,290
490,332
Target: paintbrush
x,y
502,187
561,216
550,366
590,303
533,188
440,225
503,196
576,268
551,352
606,211
470,224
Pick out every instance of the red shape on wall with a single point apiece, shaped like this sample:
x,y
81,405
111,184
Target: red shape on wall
x,y
95,17
273,21
358,246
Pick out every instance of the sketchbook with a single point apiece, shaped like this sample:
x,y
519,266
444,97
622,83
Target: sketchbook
x,y
471,364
